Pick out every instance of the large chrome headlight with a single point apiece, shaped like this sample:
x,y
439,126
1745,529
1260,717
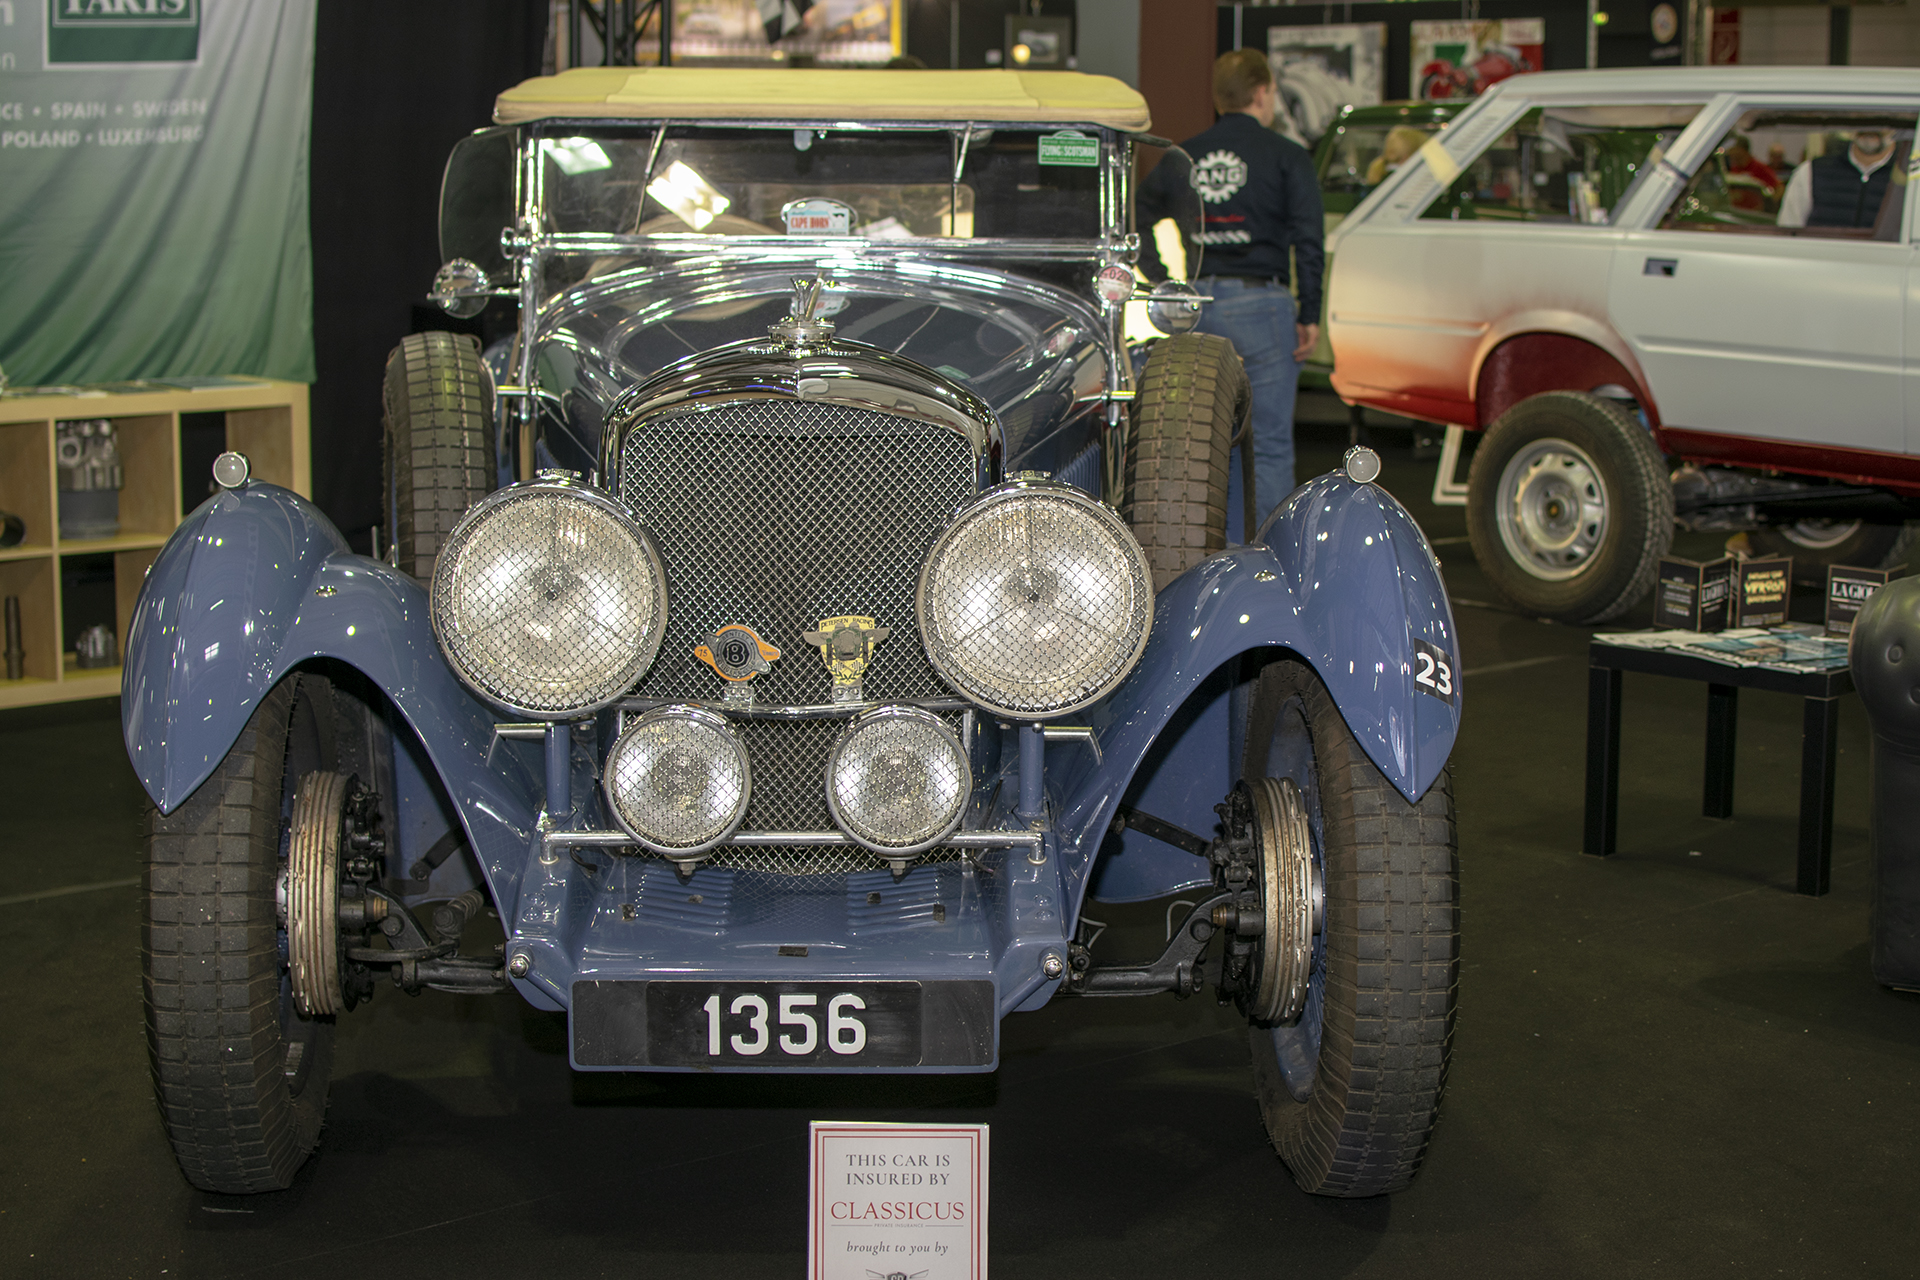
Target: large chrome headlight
x,y
678,780
548,598
1036,600
898,780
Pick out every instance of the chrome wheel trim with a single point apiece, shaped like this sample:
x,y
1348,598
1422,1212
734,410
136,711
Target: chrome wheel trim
x,y
313,894
1552,509
1818,535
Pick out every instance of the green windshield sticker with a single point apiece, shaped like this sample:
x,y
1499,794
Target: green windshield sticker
x,y
1069,146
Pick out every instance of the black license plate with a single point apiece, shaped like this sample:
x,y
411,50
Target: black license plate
x,y
783,1026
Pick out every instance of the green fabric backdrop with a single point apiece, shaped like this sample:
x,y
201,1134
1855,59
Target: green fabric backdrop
x,y
153,210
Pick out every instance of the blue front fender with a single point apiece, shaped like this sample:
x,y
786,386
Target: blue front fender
x,y
1342,577
253,584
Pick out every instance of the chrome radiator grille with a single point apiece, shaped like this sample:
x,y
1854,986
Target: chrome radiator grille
x,y
776,514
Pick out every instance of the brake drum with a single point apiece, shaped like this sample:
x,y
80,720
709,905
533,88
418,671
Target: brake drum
x,y
1292,901
313,892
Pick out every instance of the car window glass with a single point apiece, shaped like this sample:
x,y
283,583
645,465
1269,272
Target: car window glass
x,y
1826,174
896,184
1565,164
1356,158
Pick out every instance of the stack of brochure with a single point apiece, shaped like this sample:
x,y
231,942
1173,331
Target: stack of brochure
x,y
1797,646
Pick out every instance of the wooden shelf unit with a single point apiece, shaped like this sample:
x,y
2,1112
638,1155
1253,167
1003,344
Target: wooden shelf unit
x,y
265,420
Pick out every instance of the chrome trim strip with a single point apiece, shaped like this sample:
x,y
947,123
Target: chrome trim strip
x,y
816,711
551,840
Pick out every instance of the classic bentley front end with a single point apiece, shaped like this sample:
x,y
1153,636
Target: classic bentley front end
x,y
785,633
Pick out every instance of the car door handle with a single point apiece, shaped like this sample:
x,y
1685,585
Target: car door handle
x,y
1660,267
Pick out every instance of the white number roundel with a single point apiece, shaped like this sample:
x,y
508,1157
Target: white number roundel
x,y
1218,175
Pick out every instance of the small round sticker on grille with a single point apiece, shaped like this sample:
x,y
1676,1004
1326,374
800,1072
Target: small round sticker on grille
x,y
1114,284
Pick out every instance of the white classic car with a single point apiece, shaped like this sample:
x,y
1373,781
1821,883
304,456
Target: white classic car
x,y
1665,295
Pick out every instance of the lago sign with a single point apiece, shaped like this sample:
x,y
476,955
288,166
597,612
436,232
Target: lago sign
x,y
153,189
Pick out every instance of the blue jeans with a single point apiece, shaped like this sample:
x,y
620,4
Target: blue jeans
x,y
1259,320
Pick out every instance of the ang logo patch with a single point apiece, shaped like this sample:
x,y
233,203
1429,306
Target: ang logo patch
x,y
110,31
1218,175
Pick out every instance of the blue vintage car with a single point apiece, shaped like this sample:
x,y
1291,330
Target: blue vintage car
x,y
790,631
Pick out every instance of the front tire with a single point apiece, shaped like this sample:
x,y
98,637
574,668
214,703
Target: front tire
x,y
439,445
241,1077
1193,399
1569,507
1351,1090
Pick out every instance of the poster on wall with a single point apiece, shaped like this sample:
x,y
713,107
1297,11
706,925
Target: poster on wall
x,y
1353,55
825,33
1461,59
153,216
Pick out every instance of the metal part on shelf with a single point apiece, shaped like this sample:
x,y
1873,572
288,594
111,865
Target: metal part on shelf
x,y
16,655
95,648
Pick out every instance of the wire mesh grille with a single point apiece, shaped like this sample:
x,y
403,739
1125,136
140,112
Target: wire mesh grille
x,y
777,514
546,601
1037,602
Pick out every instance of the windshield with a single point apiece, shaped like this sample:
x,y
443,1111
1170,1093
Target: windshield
x,y
1021,183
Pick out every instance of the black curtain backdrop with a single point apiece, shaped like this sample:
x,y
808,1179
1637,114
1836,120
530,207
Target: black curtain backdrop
x,y
394,87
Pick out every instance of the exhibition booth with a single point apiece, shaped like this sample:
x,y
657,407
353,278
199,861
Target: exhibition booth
x,y
899,638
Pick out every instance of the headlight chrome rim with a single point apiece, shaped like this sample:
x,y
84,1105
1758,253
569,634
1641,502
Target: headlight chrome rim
x,y
448,564
1075,498
706,719
866,719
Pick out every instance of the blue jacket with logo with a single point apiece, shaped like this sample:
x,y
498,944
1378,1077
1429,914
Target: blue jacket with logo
x,y
1259,197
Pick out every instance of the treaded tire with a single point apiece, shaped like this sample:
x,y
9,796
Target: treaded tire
x,y
1388,969
1621,568
439,447
1193,398
1868,546
220,1029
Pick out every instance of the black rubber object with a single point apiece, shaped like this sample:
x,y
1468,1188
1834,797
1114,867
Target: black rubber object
x,y
439,455
1391,964
1639,506
1885,657
221,1030
1192,400
1868,546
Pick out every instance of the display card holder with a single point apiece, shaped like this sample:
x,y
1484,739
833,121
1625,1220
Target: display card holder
x,y
1763,588
897,1200
1848,589
1692,595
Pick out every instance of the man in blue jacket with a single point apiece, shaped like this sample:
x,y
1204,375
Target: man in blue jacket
x,y
1260,200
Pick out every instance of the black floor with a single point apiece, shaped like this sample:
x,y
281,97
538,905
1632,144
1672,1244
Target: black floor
x,y
1666,1063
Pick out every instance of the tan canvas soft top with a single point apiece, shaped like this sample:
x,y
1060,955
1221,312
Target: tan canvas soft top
x,y
734,93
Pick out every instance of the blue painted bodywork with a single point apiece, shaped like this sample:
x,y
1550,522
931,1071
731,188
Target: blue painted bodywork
x,y
256,583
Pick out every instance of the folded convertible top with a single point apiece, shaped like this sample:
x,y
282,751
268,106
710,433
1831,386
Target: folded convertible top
x,y
733,93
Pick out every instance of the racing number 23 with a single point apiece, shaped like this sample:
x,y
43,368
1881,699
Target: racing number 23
x,y
1433,670
845,1033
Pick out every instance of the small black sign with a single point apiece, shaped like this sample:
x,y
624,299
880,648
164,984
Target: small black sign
x,y
1848,589
1765,588
1692,595
1434,672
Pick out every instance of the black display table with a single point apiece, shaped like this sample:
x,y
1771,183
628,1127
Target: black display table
x,y
1607,665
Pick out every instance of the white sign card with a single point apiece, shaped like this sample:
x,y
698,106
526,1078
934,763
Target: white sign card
x,y
897,1202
